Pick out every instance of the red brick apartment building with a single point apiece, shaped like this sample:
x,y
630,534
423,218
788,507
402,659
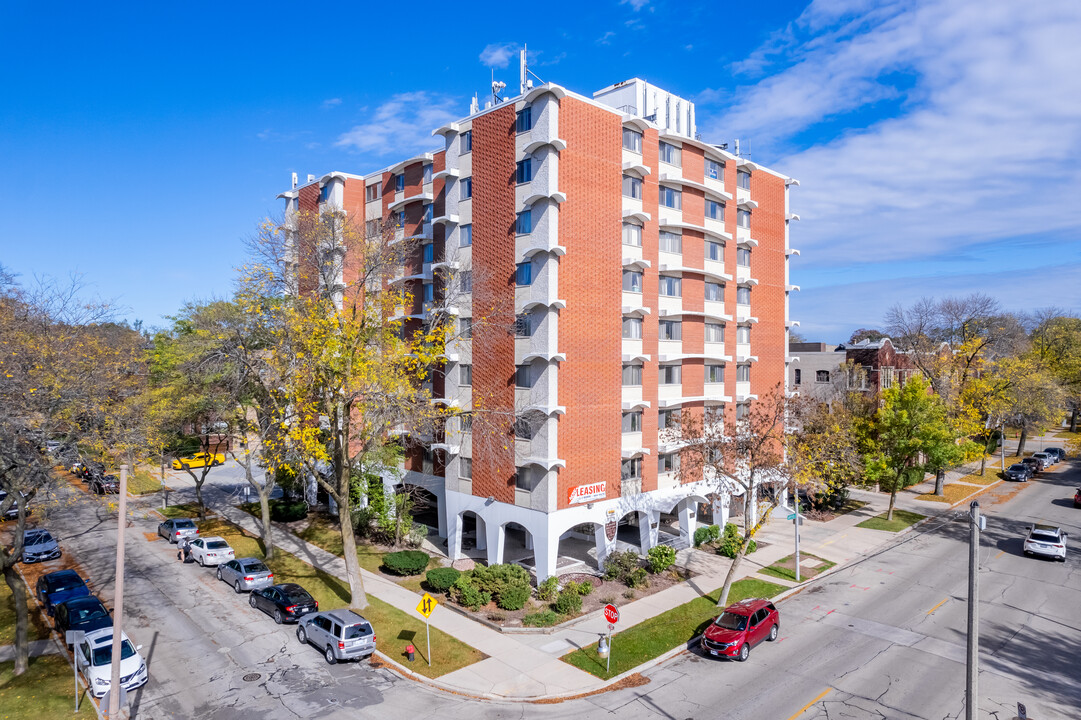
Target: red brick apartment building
x,y
644,273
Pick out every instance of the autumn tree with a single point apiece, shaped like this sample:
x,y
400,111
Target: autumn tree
x,y
1056,341
866,334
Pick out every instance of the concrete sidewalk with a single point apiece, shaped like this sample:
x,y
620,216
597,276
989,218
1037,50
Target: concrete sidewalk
x,y
37,648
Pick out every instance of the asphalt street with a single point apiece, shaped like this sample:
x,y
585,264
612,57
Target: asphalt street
x,y
881,638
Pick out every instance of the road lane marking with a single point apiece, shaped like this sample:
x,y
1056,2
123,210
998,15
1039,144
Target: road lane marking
x,y
803,709
835,539
936,607
1000,554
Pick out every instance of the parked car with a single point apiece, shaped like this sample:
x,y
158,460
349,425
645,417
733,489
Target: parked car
x,y
12,512
211,551
340,634
77,468
1057,451
1048,459
1077,498
94,656
1047,541
105,484
198,460
245,574
84,613
39,546
1033,463
176,528
1019,472
286,602
740,627
58,587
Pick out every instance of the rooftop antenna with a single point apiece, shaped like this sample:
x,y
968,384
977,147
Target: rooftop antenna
x,y
496,87
525,84
737,147
474,105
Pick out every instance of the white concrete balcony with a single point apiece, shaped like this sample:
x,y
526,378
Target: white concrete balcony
x,y
631,348
669,392
669,305
631,397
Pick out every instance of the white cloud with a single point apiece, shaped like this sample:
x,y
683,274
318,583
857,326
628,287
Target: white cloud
x,y
330,103
498,55
606,39
983,142
401,125
635,4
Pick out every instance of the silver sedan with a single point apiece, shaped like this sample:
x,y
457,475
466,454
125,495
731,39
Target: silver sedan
x,y
245,574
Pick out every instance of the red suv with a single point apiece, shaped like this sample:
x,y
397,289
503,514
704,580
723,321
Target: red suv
x,y
740,627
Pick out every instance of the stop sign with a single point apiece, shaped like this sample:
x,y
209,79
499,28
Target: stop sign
x,y
611,614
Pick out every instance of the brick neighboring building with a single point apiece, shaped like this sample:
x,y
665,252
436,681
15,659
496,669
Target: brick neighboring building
x,y
814,366
645,274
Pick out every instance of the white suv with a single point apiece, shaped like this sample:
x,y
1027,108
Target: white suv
x,y
94,659
1048,541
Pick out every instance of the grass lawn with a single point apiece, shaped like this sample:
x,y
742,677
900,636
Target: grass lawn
x,y
143,482
45,690
37,628
658,635
901,520
785,567
181,510
950,494
394,628
323,532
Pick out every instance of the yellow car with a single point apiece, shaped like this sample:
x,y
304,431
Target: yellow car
x,y
199,460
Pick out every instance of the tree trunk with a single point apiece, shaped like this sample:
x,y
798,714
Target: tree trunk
x,y
722,601
22,618
358,598
940,482
893,499
983,462
264,511
1021,441
1073,420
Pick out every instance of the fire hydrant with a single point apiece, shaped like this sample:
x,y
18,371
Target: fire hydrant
x,y
409,651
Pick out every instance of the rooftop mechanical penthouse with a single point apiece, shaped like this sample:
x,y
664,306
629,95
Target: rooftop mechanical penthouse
x,y
614,272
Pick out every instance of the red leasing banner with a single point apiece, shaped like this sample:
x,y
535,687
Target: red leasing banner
x,y
586,493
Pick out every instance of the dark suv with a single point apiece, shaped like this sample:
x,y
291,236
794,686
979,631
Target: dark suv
x,y
740,627
1019,472
1034,464
340,634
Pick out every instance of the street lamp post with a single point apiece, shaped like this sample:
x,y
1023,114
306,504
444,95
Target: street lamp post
x,y
976,523
118,600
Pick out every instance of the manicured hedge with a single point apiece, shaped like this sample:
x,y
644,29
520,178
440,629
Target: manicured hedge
x,y
441,579
406,562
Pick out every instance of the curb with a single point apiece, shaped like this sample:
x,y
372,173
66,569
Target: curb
x,y
525,630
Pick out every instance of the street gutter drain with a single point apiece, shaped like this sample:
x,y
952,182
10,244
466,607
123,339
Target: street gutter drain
x,y
252,677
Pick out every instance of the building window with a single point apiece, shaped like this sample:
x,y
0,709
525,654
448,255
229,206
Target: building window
x,y
822,376
743,334
743,373
428,251
523,120
465,279
632,375
465,327
523,222
324,193
743,296
671,330
671,242
668,462
465,468
671,198
632,281
743,180
670,154
668,419
467,141
465,377
372,228
632,328
397,219
671,374
467,188
429,292
524,325
523,171
630,469
632,422
399,182
427,178
632,140
524,377
371,192
714,292
632,187
715,210
714,251
523,273
714,332
527,479
742,410
715,373
886,377
670,286
714,170
799,376
524,429
743,257
465,236
743,218
632,234
428,214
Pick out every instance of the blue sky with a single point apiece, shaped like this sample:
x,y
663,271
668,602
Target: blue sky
x,y
938,143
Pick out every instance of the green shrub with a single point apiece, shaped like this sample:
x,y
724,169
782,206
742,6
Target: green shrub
x,y
585,588
441,579
548,589
466,594
619,564
637,578
406,562
287,510
714,532
729,545
513,597
546,618
568,603
571,586
701,535
495,578
629,594
661,558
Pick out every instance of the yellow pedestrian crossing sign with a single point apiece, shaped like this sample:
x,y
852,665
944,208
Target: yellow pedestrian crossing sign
x,y
427,605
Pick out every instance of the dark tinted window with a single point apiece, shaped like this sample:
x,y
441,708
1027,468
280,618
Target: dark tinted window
x,y
731,621
337,630
217,545
104,655
352,632
297,595
65,582
232,565
1044,537
255,567
184,524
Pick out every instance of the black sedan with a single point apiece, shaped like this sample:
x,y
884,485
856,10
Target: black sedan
x,y
1019,472
284,602
84,613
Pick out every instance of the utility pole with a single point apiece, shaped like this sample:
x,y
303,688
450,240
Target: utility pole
x,y
118,600
795,523
976,523
1002,446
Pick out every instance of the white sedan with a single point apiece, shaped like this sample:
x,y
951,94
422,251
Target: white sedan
x,y
1048,541
211,551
